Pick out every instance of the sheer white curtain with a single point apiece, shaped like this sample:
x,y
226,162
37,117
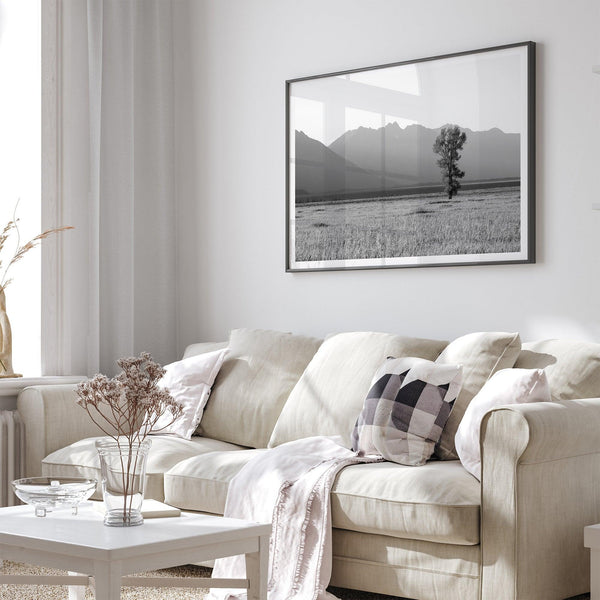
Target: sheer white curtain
x,y
115,159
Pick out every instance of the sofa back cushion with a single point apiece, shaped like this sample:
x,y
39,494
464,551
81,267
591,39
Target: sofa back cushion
x,y
253,384
481,355
329,396
572,366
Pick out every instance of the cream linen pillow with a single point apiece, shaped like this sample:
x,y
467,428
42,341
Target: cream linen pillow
x,y
481,355
509,386
189,382
572,366
260,371
330,394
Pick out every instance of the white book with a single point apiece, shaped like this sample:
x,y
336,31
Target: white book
x,y
151,509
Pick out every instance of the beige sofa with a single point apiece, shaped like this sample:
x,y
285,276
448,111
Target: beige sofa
x,y
431,532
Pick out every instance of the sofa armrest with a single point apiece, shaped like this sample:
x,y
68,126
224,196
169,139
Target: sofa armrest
x,y
540,487
52,420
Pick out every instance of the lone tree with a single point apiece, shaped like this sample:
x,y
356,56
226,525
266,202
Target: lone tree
x,y
447,144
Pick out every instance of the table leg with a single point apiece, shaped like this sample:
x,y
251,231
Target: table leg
x,y
595,574
107,580
76,592
257,566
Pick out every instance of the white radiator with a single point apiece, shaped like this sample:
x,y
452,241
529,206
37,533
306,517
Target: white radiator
x,y
12,454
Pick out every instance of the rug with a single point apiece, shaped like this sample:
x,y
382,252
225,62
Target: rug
x,y
38,592
58,592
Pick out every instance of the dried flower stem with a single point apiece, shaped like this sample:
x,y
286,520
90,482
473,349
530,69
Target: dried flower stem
x,y
20,250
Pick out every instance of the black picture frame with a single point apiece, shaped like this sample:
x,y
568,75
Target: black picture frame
x,y
365,188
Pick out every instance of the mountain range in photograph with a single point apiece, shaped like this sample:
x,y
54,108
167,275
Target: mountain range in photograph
x,y
368,162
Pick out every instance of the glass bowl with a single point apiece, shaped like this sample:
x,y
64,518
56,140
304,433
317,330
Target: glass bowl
x,y
47,493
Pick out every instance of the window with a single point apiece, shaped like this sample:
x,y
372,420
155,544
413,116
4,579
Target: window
x,y
20,170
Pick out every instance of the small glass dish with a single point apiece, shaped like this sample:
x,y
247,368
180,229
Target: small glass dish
x,y
47,493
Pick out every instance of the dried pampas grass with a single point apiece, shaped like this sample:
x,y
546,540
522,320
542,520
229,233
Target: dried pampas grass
x,y
21,249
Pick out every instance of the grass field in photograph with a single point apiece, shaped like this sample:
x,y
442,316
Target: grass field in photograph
x,y
477,221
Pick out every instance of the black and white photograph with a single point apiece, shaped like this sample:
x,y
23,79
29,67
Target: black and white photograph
x,y
420,163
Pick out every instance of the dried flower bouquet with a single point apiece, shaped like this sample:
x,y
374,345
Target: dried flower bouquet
x,y
130,404
126,408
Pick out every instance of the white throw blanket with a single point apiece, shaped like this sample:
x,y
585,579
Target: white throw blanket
x,y
289,486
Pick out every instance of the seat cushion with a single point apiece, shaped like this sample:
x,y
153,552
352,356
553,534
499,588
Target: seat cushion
x,y
329,396
438,502
81,459
201,482
259,372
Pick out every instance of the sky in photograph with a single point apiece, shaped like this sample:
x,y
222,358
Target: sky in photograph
x,y
476,91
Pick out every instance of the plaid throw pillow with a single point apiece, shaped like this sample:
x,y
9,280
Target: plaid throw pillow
x,y
406,409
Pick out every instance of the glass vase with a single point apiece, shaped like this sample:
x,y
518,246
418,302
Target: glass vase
x,y
123,479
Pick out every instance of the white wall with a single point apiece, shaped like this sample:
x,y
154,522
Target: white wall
x,y
233,58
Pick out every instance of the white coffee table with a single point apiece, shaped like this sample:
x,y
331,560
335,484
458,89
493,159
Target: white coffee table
x,y
83,544
591,540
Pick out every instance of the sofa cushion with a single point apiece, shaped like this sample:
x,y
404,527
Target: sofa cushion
x,y
329,396
260,371
203,348
508,386
189,382
572,366
80,459
438,502
201,482
481,355
406,409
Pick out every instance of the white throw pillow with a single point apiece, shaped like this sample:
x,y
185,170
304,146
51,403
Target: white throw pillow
x,y
509,386
189,381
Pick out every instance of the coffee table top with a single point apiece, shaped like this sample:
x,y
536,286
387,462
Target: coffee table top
x,y
85,534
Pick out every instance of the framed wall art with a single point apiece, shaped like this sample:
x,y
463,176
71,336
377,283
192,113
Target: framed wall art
x,y
427,162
